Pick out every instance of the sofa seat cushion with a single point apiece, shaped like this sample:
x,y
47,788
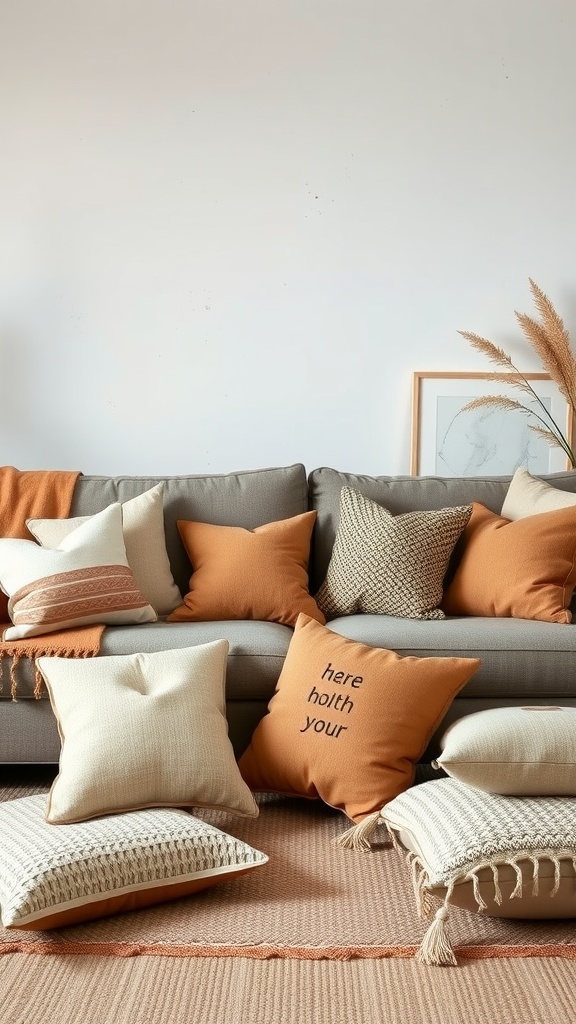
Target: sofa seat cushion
x,y
256,654
520,657
255,657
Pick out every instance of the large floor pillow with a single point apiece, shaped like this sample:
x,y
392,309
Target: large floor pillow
x,y
53,876
498,855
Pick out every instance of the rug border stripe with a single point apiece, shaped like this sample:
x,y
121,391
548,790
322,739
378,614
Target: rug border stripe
x,y
128,949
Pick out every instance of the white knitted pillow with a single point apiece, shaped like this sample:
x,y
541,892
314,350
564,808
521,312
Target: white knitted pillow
x,y
499,855
55,876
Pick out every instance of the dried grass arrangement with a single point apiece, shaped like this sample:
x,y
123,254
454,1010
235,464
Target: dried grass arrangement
x,y
551,342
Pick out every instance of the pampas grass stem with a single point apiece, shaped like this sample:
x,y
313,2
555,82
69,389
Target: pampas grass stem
x,y
551,342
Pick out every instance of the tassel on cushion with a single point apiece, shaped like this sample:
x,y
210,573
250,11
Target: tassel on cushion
x,y
358,837
436,950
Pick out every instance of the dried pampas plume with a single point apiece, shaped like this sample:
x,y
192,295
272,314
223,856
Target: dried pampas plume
x,y
551,342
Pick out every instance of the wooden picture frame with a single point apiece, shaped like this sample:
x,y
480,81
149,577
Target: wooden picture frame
x,y
484,442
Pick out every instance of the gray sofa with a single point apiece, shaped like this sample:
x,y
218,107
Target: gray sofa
x,y
522,661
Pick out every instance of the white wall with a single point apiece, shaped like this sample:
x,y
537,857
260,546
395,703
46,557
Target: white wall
x,y
230,231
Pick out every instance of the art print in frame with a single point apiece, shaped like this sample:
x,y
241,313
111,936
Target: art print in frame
x,y
448,440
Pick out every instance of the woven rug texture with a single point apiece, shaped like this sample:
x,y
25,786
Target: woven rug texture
x,y
313,900
312,895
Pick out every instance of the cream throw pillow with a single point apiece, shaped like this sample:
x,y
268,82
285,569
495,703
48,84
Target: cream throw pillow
x,y
85,580
143,730
524,751
528,496
389,565
145,540
53,877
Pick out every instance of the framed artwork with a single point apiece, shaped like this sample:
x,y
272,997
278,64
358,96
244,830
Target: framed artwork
x,y
448,440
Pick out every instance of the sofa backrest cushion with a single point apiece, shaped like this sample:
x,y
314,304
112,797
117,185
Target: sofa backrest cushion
x,y
400,494
250,498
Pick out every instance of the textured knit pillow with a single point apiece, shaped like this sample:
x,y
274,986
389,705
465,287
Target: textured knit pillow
x,y
389,565
524,569
528,496
143,730
523,751
504,856
85,580
52,877
145,540
248,574
348,722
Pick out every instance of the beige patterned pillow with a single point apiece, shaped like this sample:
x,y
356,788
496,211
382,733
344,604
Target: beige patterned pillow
x,y
143,730
51,877
145,540
389,565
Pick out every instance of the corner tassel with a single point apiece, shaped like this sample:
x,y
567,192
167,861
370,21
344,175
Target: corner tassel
x,y
436,950
358,837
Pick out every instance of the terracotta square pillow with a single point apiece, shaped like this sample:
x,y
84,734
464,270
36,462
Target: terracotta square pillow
x,y
348,722
524,569
248,574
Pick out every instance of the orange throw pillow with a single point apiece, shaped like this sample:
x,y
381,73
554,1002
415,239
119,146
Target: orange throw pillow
x,y
248,574
525,569
348,722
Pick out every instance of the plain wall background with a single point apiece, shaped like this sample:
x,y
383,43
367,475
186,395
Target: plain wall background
x,y
230,231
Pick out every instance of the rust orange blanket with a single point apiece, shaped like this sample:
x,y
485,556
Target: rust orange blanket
x,y
39,494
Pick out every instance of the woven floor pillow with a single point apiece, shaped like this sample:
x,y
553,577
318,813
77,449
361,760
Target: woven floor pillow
x,y
502,856
52,876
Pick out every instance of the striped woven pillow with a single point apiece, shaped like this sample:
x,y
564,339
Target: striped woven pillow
x,y
85,580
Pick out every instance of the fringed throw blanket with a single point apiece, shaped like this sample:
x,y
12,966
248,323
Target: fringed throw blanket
x,y
38,494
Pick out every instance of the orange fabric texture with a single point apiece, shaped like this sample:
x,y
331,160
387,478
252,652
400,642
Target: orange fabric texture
x,y
127,902
348,722
33,494
248,574
525,569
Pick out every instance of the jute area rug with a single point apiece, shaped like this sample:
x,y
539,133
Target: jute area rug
x,y
319,935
